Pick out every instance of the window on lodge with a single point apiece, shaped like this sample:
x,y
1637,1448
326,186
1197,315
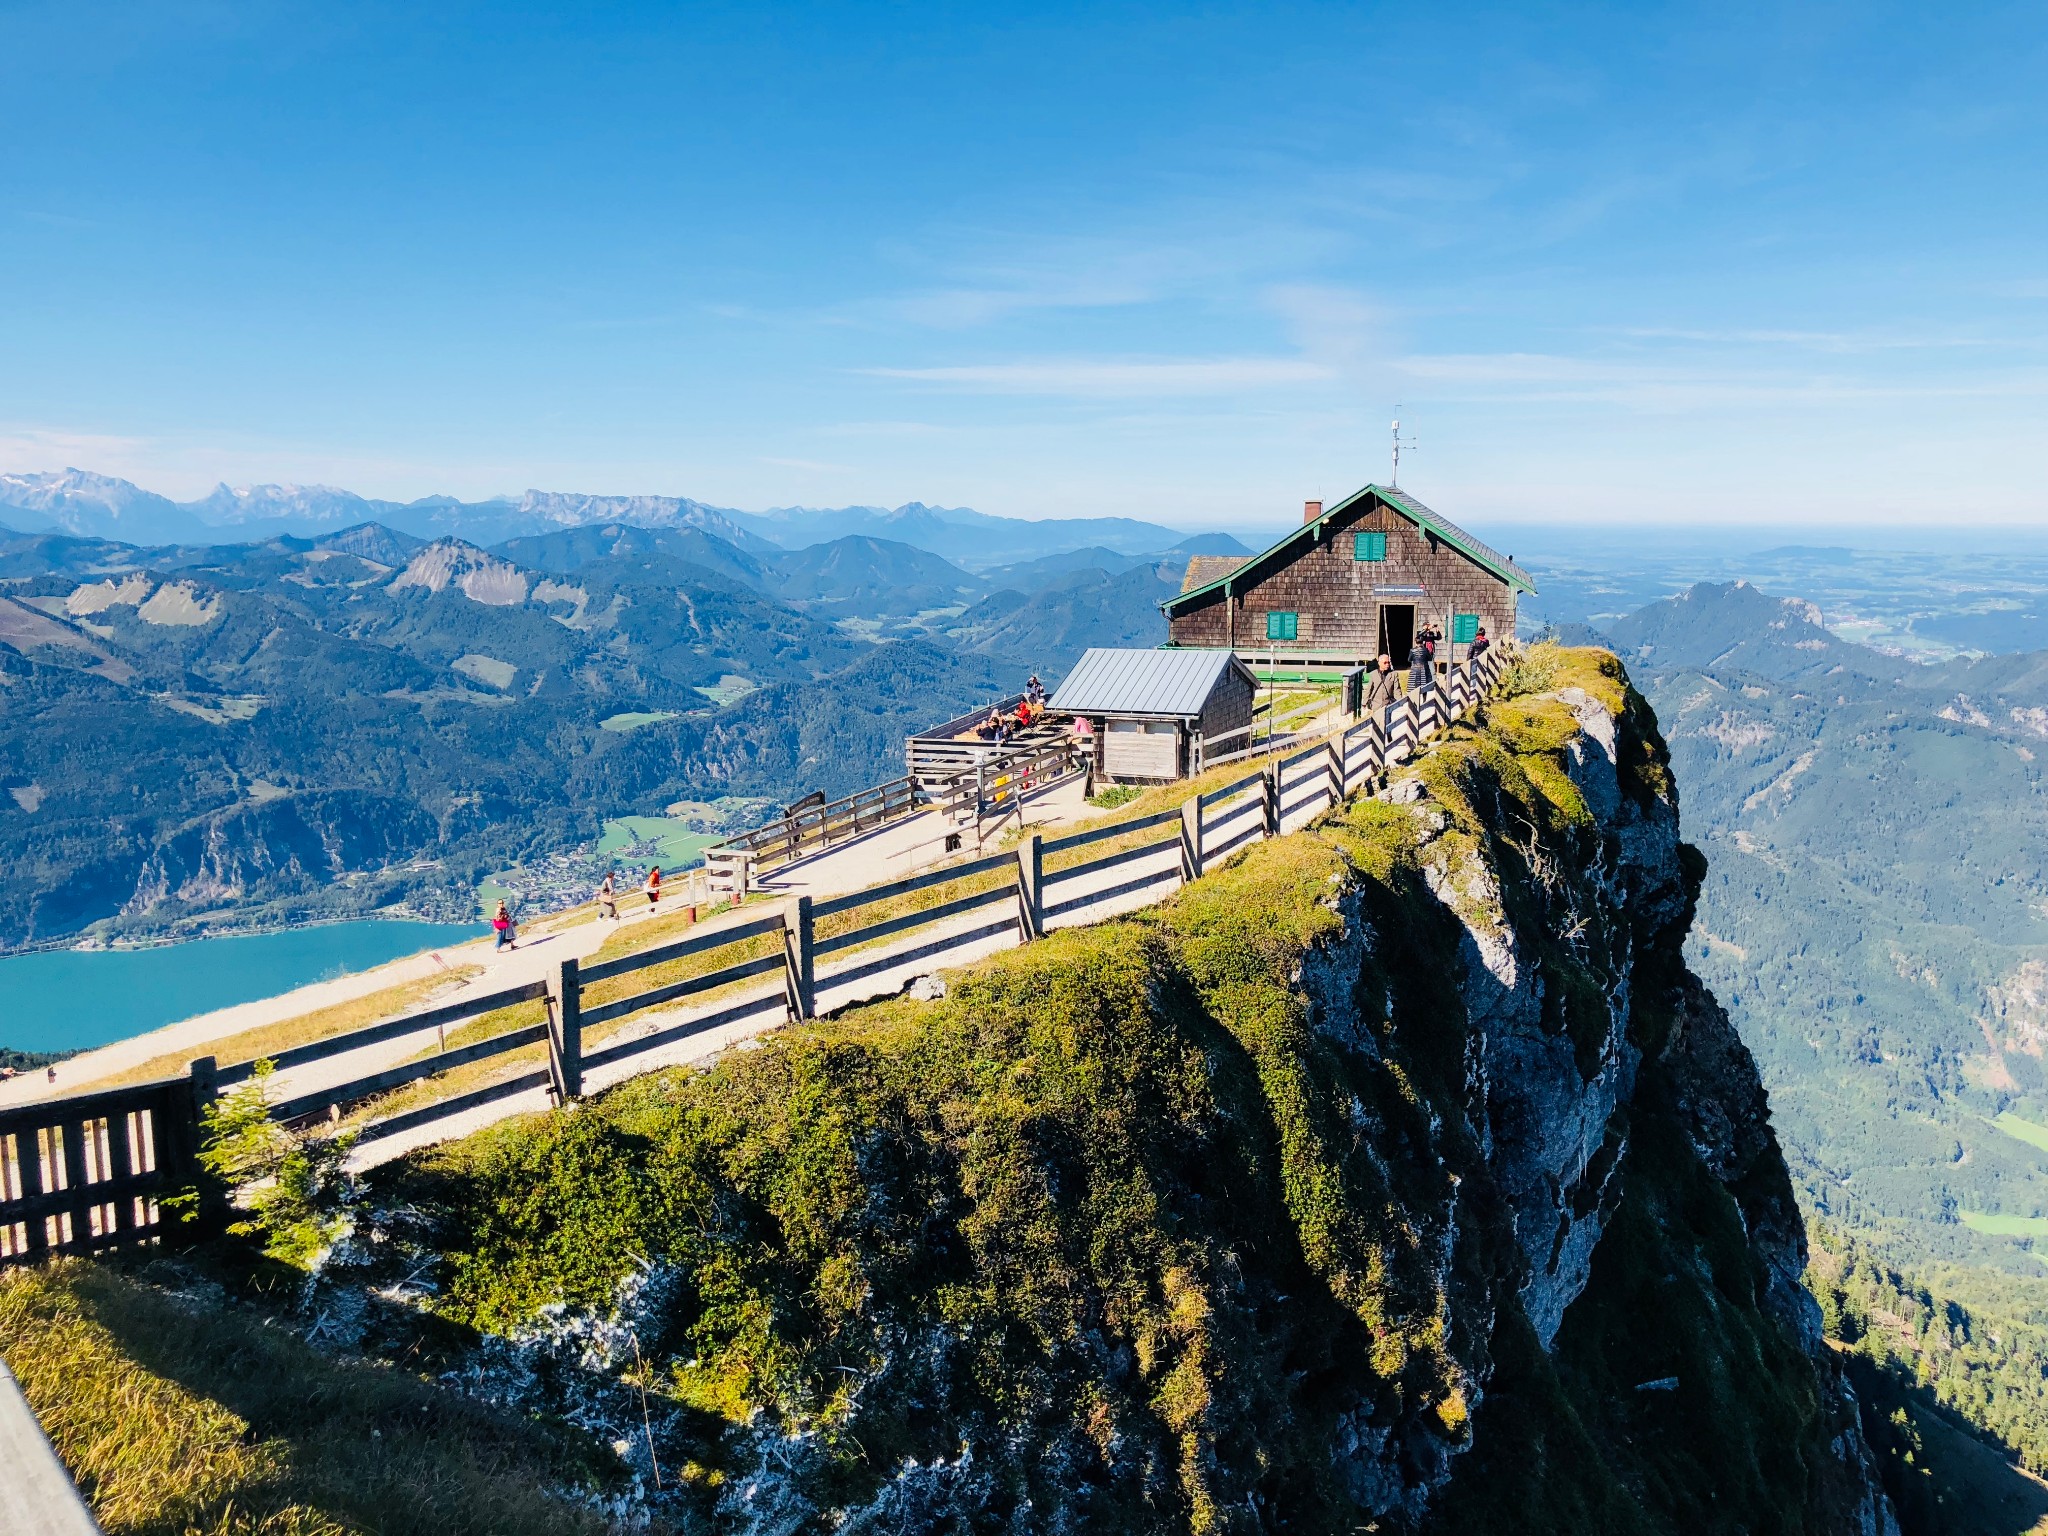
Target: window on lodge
x,y
1369,546
1464,628
1282,626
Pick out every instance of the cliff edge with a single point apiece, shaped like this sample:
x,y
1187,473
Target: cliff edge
x,y
1395,1176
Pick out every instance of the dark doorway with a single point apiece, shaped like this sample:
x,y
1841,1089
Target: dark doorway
x,y
1397,631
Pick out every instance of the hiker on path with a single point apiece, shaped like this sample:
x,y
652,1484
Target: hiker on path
x,y
653,888
1379,686
608,898
501,922
1418,667
1429,638
1479,645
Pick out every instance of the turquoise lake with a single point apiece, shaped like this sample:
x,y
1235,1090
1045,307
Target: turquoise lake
x,y
68,1000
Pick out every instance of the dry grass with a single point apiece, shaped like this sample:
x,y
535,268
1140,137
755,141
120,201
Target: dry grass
x,y
179,1418
269,1039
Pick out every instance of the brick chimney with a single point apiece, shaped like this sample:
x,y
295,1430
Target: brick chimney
x,y
1311,510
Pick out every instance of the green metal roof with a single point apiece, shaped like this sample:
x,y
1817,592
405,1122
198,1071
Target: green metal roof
x,y
1481,554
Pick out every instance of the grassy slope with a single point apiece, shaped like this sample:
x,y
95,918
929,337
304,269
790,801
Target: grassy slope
x,y
1112,1204
1112,1213
179,1418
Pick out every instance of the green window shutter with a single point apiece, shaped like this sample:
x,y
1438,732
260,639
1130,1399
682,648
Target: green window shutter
x,y
1369,546
1464,628
1281,626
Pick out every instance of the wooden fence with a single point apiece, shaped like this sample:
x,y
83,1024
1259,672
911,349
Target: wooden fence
x,y
90,1172
807,830
86,1173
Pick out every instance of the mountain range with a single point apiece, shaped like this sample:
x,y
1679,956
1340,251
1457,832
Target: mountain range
x,y
86,504
1875,913
199,732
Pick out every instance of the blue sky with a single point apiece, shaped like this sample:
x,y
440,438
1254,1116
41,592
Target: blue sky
x,y
1631,263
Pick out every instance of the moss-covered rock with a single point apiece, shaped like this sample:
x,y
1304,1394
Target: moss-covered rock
x,y
1289,1204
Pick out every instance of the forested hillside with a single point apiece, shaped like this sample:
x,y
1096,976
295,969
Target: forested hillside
x,y
195,732
1876,907
1875,917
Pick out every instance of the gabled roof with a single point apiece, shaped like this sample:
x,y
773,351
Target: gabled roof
x,y
1203,569
1119,682
1481,554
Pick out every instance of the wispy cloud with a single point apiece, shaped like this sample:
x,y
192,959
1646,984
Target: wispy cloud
x,y
1104,378
27,449
1818,341
1665,386
809,464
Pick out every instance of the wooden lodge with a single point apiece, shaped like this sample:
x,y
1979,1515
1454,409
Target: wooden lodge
x,y
1351,582
1154,716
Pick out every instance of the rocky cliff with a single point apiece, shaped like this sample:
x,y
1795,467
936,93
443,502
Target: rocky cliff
x,y
1397,1176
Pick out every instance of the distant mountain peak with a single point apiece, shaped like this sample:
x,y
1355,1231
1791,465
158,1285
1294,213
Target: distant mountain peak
x,y
39,489
478,575
235,504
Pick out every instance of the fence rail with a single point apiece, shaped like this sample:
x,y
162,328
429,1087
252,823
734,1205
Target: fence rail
x,y
90,1172
809,829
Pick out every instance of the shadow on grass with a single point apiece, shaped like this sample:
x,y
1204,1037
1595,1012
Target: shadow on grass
x,y
181,1414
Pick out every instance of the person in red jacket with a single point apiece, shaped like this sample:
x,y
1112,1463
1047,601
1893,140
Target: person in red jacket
x,y
501,924
654,888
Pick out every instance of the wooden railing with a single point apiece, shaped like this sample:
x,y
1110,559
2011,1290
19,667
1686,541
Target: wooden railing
x,y
942,754
85,1173
90,1172
810,829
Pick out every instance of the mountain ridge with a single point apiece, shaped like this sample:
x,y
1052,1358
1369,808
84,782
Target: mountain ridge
x,y
88,504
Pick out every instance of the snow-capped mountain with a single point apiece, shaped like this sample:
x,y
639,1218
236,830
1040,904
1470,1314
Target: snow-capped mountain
x,y
101,506
91,505
314,506
569,510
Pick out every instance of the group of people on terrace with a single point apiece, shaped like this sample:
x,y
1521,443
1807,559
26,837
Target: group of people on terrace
x,y
1000,725
1381,684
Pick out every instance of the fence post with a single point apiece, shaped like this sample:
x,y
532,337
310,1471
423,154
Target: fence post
x,y
800,971
1270,788
29,1164
120,1156
211,1215
1030,889
565,1031
1191,855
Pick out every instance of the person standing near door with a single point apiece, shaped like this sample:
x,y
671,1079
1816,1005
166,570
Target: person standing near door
x,y
1418,666
1379,687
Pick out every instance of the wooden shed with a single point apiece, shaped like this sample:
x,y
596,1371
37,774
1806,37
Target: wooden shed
x,y
1350,582
1153,711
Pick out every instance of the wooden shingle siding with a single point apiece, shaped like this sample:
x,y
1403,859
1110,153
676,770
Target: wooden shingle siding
x,y
1333,591
1229,708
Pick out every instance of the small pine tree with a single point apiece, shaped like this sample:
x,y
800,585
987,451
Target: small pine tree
x,y
295,1189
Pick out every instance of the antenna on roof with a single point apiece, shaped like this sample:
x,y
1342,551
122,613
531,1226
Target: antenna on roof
x,y
1400,442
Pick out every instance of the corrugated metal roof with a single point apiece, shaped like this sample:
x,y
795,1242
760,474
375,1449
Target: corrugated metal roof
x,y
1117,682
1483,554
